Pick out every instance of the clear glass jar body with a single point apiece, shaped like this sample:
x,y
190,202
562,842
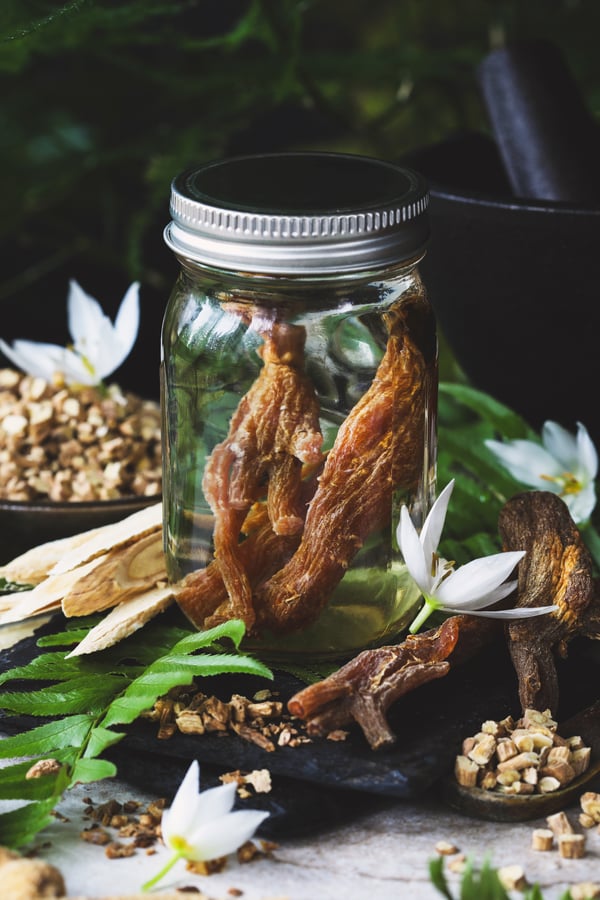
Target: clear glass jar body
x,y
299,414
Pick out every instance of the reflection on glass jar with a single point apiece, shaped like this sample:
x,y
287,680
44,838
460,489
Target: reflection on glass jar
x,y
299,398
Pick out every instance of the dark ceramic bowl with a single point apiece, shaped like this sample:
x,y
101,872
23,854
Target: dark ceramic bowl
x,y
515,285
26,525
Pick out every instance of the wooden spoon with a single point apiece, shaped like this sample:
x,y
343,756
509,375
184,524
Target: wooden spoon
x,y
493,806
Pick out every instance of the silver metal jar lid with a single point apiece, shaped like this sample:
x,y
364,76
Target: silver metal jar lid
x,y
298,213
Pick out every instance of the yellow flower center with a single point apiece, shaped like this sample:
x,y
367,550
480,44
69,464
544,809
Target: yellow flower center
x,y
567,482
179,844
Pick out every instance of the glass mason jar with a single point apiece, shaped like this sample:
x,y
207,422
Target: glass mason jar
x,y
299,390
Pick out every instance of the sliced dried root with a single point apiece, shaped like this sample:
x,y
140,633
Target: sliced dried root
x,y
35,565
47,595
117,576
124,619
119,534
120,566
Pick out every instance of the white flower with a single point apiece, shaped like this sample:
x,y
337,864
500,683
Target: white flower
x,y
563,463
201,826
479,583
99,347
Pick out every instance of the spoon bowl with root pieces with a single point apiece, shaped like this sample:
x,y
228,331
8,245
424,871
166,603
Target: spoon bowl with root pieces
x,y
500,807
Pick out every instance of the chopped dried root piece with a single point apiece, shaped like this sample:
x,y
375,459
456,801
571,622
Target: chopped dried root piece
x,y
512,878
542,839
585,890
590,804
446,848
571,846
127,530
43,767
364,688
560,824
121,574
466,771
30,879
124,619
556,569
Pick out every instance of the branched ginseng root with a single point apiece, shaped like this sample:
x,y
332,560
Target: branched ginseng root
x,y
273,434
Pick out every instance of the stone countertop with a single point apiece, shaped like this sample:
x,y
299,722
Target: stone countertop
x,y
383,853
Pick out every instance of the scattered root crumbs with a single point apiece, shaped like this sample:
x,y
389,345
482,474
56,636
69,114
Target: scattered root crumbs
x,y
261,720
559,833
124,828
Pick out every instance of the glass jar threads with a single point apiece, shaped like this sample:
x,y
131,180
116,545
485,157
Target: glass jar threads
x,y
299,386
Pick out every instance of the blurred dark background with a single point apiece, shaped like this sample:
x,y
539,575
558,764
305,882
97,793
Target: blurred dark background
x,y
102,102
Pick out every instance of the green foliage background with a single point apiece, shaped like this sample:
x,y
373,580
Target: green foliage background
x,y
102,102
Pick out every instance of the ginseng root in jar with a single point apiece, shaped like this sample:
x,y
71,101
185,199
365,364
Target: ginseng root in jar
x,y
299,384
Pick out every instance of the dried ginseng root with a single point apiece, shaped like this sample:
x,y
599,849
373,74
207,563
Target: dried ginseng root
x,y
202,595
556,569
378,448
363,690
274,432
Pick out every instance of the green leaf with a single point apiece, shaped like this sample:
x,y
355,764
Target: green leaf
x,y
76,695
64,638
92,693
168,672
13,587
234,629
438,877
55,666
19,826
592,541
535,893
307,673
68,732
100,739
86,770
504,420
45,667
15,786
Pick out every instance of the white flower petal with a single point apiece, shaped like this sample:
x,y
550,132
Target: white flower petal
x,y
560,444
127,322
481,601
85,316
223,836
526,461
45,360
525,612
105,346
408,540
586,452
215,803
477,578
434,523
179,818
582,503
31,358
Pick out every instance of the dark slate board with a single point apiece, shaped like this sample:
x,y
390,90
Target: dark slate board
x,y
324,781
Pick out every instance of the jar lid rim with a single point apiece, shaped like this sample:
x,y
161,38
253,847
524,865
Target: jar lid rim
x,y
299,211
